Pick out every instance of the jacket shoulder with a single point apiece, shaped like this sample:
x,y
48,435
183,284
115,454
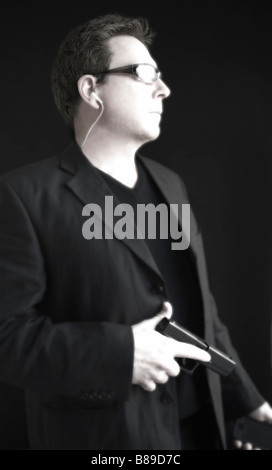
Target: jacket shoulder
x,y
37,170
166,175
159,167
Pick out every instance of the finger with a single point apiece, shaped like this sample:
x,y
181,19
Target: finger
x,y
167,364
160,377
247,446
238,444
189,351
173,369
148,385
263,413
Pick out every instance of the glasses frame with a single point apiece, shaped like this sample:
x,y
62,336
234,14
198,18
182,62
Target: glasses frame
x,y
131,70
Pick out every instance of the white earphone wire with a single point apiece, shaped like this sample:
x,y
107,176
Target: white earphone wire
x,y
92,126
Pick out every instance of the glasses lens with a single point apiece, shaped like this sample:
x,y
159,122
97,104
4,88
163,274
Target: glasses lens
x,y
147,73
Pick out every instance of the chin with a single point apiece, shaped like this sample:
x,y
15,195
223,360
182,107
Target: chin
x,y
149,136
154,135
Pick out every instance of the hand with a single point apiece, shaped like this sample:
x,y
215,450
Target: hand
x,y
154,353
263,413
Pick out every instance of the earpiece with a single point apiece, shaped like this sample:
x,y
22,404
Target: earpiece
x,y
97,97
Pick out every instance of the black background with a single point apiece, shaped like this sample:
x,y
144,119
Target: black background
x,y
216,132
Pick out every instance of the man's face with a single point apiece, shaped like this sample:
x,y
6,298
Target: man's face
x,y
132,108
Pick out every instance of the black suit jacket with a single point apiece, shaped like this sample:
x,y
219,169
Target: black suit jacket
x,y
66,309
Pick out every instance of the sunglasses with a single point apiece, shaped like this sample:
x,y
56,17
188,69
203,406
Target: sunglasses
x,y
146,73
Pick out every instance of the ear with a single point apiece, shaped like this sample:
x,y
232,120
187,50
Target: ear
x,y
86,85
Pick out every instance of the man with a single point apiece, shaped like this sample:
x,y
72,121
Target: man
x,y
78,313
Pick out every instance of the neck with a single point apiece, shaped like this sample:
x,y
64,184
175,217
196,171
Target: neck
x,y
114,158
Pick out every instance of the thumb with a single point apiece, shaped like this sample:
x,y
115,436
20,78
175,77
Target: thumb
x,y
166,311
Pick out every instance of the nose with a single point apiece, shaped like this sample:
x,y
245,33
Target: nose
x,y
162,90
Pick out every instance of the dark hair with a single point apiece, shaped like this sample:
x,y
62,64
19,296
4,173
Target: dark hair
x,y
85,50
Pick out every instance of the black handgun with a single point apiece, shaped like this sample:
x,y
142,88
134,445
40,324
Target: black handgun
x,y
220,362
258,433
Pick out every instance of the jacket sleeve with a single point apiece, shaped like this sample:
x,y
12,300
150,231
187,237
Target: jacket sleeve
x,y
62,358
240,395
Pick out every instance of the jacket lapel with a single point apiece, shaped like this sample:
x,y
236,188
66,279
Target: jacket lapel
x,y
89,187
174,194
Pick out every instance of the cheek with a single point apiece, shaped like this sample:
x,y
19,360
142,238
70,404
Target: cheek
x,y
126,110
128,104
